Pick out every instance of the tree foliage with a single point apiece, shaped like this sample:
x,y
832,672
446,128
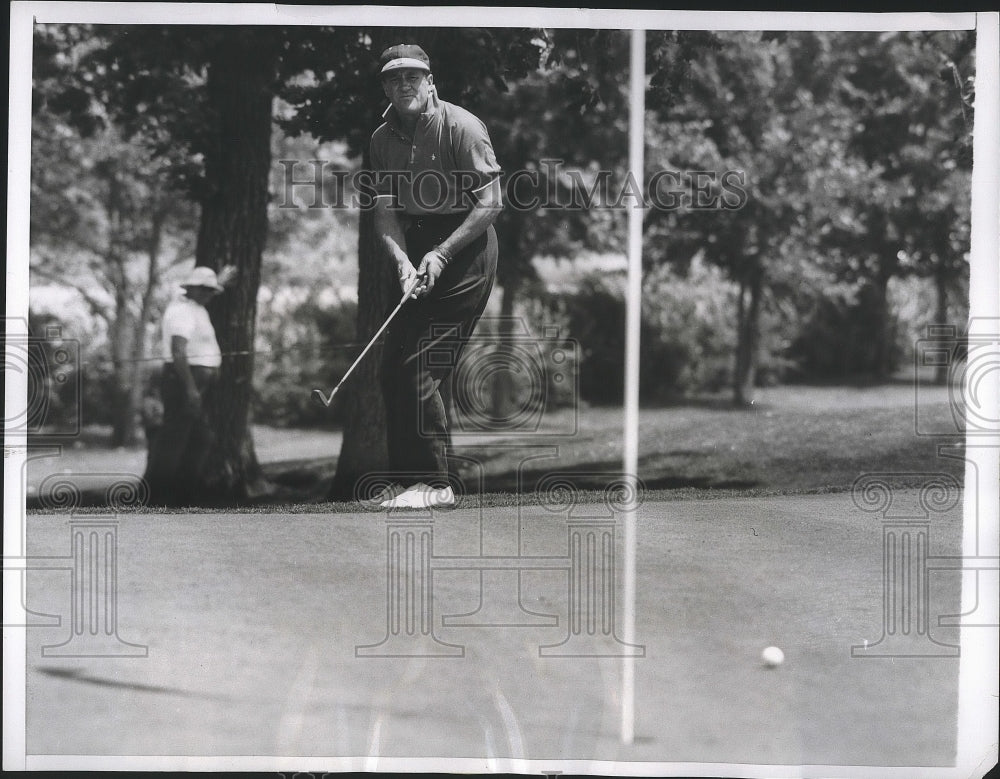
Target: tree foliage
x,y
845,141
850,155
901,201
200,98
104,220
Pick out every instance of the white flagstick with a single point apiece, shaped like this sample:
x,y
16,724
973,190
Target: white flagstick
x,y
637,123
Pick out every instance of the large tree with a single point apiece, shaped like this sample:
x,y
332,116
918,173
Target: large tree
x,y
902,200
207,93
735,125
852,146
103,220
202,98
563,138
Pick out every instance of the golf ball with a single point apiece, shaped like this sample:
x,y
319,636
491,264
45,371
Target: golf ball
x,y
772,656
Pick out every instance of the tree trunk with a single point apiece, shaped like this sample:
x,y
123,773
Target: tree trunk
x,y
121,335
137,384
123,426
941,318
747,338
128,345
140,344
363,450
503,381
881,354
118,389
233,230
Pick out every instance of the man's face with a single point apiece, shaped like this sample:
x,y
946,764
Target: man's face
x,y
200,295
408,89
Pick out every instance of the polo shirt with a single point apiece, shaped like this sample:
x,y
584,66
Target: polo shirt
x,y
439,169
190,320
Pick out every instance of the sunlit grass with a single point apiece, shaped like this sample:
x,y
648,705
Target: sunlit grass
x,y
792,440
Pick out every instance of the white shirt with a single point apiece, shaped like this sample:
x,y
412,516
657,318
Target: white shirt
x,y
189,320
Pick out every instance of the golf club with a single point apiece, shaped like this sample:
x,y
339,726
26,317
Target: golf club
x,y
327,400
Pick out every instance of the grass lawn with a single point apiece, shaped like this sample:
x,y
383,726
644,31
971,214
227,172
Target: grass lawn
x,y
793,440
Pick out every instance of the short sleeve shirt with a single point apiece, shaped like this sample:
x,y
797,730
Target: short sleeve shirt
x,y
189,320
439,170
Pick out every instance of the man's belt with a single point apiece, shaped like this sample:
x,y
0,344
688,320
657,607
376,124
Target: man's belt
x,y
207,370
433,221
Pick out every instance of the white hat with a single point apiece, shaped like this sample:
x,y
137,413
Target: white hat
x,y
203,276
404,55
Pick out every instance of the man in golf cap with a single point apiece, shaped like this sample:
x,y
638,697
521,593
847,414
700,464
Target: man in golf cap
x,y
437,187
191,365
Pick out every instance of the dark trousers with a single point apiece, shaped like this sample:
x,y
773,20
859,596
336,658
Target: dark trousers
x,y
422,348
178,452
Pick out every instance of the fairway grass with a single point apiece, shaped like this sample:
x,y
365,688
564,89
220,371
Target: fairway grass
x,y
791,440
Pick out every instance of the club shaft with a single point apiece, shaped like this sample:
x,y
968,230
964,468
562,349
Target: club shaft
x,y
406,295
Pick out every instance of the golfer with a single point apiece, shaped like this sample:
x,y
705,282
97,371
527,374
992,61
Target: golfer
x,y
191,366
438,192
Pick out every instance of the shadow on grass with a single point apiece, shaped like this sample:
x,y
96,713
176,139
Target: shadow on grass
x,y
818,439
79,676
307,482
591,476
703,402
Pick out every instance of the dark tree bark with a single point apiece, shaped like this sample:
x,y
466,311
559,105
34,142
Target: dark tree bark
x,y
503,381
747,337
121,328
886,246
140,346
941,282
363,450
881,358
123,432
233,230
121,335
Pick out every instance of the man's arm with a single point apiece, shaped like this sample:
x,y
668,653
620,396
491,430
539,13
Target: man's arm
x,y
392,240
487,207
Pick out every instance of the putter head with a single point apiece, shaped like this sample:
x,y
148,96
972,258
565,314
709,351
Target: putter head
x,y
326,401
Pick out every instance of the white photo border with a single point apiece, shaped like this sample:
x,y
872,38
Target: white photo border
x,y
978,664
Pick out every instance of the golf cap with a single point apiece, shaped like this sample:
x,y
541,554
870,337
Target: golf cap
x,y
202,276
404,55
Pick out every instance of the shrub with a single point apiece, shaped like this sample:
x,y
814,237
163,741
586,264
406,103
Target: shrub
x,y
686,334
306,341
839,338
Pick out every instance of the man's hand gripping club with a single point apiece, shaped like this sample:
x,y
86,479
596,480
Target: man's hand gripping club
x,y
431,267
408,291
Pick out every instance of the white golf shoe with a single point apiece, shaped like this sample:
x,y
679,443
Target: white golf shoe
x,y
387,493
422,496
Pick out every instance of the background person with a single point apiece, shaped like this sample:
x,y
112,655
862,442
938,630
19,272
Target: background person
x,y
187,380
151,408
438,193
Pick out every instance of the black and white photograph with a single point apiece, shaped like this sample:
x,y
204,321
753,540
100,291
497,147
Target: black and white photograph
x,y
481,390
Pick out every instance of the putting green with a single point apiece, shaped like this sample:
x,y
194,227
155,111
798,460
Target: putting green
x,y
252,624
